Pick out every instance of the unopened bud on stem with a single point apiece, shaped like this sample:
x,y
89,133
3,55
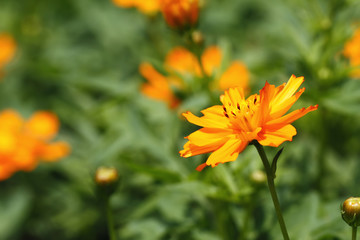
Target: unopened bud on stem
x,y
106,179
350,211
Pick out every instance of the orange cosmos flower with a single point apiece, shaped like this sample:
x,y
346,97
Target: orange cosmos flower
x,y
182,63
228,129
148,7
23,143
352,51
180,14
7,49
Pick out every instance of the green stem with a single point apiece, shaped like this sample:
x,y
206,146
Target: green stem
x,y
354,230
110,220
271,184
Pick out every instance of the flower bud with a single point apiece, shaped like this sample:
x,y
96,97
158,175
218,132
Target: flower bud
x,y
197,37
350,211
107,179
180,14
106,176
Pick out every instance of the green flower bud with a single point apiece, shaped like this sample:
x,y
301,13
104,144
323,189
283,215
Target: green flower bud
x,y
350,211
107,179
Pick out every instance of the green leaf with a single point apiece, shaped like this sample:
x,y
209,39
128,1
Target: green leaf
x,y
274,162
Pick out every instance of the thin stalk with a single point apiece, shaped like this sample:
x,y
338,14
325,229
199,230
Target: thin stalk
x,y
110,220
354,230
271,184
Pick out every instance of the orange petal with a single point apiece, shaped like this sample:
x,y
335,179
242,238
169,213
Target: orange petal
x,y
8,47
148,7
43,125
8,142
288,91
181,60
24,159
226,153
124,3
209,136
158,86
54,151
153,76
236,75
280,109
289,118
209,122
193,150
201,167
211,59
6,171
275,138
10,120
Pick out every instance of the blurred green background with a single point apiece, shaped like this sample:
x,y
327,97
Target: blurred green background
x,y
79,59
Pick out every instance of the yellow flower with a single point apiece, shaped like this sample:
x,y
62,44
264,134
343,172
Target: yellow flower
x,y
148,7
227,129
183,63
23,143
352,51
7,50
180,14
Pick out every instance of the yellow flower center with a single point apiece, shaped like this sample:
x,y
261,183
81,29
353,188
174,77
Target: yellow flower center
x,y
241,117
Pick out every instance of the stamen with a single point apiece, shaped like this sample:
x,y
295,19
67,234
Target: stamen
x,y
224,109
238,106
255,100
233,113
226,115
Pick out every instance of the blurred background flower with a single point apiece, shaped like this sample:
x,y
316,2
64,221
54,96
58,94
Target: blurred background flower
x,y
24,143
7,50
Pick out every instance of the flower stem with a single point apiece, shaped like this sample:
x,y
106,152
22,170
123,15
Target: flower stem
x,y
110,220
271,184
354,230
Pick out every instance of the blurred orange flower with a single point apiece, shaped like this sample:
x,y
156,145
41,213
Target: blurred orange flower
x,y
148,7
180,14
23,143
227,129
182,63
352,51
7,49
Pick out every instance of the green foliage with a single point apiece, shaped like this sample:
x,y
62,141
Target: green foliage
x,y
79,59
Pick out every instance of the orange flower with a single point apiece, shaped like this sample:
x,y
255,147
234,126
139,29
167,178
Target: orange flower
x,y
7,49
148,7
180,14
228,129
352,51
24,143
182,64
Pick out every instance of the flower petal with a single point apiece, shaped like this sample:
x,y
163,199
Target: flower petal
x,y
279,110
289,118
207,136
236,75
193,150
214,121
211,59
288,91
277,137
181,60
227,153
